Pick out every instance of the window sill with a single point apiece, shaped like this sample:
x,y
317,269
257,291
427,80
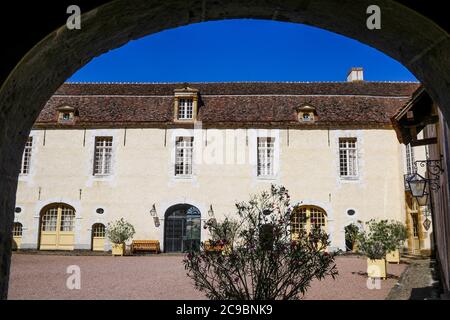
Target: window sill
x,y
102,176
179,177
24,177
185,120
266,178
349,178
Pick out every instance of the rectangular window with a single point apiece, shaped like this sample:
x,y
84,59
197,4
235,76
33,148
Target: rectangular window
x,y
266,151
103,155
26,158
348,157
185,109
410,160
183,156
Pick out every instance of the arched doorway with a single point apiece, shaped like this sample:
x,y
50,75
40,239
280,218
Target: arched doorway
x,y
57,227
98,237
306,218
182,227
17,235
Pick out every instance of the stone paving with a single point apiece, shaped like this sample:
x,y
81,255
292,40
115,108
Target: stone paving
x,y
162,276
418,282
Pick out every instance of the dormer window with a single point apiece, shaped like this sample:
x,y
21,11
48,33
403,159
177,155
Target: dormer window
x,y
186,104
306,113
308,116
185,108
66,114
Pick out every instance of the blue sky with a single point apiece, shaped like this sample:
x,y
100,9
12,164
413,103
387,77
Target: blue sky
x,y
241,50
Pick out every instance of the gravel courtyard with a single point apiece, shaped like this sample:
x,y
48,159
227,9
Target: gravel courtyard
x,y
160,277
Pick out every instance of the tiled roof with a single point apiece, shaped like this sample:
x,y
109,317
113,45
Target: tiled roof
x,y
244,88
231,103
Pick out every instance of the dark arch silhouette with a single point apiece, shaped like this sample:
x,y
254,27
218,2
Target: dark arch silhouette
x,y
406,35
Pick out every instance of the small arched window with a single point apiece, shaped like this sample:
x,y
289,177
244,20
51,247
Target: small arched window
x,y
98,230
17,229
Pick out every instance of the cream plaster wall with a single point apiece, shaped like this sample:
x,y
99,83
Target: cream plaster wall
x,y
307,164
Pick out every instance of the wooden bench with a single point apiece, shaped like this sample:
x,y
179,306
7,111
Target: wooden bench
x,y
211,248
145,245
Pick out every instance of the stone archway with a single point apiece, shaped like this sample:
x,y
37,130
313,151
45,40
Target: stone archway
x,y
407,36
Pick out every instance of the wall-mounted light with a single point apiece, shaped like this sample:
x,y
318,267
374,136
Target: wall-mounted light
x,y
211,211
209,222
156,221
153,211
417,184
423,200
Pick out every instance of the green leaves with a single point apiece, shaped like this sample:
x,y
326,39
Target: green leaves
x,y
263,261
119,231
381,237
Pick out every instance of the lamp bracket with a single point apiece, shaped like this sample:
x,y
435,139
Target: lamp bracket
x,y
433,171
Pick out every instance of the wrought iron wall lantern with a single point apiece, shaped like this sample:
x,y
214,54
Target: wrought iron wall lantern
x,y
153,211
210,211
418,184
423,200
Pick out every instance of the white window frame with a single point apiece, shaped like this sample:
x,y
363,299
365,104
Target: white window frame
x,y
348,155
101,153
185,109
184,156
25,167
265,153
410,159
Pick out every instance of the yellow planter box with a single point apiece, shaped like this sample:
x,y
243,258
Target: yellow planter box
x,y
393,256
118,249
376,268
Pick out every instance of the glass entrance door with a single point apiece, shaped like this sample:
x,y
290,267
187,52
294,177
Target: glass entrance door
x,y
174,234
182,229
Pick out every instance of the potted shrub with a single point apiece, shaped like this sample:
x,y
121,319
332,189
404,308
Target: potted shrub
x,y
375,242
398,237
118,232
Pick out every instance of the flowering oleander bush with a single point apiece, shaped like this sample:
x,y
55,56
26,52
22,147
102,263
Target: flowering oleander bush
x,y
381,237
263,262
119,231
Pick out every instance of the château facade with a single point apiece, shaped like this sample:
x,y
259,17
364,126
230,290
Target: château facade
x,y
169,157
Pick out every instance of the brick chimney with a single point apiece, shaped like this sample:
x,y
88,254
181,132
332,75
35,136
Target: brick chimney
x,y
355,74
